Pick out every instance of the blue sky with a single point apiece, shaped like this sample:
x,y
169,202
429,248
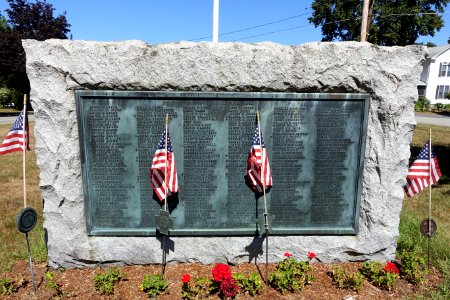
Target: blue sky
x,y
162,21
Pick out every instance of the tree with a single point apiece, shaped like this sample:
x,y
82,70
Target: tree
x,y
3,24
36,20
391,23
26,21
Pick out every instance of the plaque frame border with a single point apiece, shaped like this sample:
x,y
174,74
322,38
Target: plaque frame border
x,y
198,95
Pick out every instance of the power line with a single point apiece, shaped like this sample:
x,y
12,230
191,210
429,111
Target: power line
x,y
252,27
333,22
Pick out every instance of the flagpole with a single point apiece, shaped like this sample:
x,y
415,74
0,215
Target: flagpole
x,y
165,165
266,223
25,139
429,202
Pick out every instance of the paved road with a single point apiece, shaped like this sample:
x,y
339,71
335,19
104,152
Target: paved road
x,y
10,120
432,119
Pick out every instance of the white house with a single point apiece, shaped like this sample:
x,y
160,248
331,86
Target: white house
x,y
435,79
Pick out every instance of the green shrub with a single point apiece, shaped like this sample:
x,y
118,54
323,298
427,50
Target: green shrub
x,y
412,267
251,284
347,281
153,285
422,104
384,277
291,275
7,286
106,282
439,106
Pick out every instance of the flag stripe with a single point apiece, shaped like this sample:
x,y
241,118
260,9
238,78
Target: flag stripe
x,y
157,170
16,139
418,177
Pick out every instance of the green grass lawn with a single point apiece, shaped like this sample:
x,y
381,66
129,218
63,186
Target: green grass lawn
x,y
13,245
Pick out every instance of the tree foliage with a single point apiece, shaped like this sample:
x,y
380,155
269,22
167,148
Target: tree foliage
x,y
398,22
25,21
36,20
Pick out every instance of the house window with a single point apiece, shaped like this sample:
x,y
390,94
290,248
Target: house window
x,y
444,70
442,91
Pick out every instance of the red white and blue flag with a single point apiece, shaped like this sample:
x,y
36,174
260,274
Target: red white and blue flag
x,y
418,177
17,136
157,171
258,169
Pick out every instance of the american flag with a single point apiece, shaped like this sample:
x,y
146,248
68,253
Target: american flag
x,y
157,170
418,177
16,137
258,154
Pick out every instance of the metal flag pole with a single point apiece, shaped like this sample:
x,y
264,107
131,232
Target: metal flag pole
x,y
263,181
25,139
429,202
215,21
30,262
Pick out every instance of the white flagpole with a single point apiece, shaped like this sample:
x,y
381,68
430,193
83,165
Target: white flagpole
x,y
25,139
216,21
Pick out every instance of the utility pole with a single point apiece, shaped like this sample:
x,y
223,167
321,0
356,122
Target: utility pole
x,y
216,21
364,21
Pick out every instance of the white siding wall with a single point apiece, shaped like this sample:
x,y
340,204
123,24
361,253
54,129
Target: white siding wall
x,y
434,80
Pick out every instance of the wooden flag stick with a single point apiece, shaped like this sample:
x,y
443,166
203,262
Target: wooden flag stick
x,y
25,139
263,181
165,165
262,167
429,202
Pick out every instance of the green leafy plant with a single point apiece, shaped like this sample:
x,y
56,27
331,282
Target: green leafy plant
x,y
439,106
251,285
200,289
347,281
106,282
422,104
412,267
384,277
7,286
153,285
291,275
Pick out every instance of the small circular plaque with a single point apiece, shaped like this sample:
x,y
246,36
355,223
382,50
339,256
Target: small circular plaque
x,y
428,227
26,219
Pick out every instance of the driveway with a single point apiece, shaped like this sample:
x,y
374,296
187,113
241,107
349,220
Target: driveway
x,y
10,120
433,119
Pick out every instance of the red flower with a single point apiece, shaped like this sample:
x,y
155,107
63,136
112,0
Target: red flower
x,y
221,272
311,255
287,254
391,268
186,278
229,287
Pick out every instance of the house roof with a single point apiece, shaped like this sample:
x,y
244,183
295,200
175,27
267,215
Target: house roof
x,y
434,52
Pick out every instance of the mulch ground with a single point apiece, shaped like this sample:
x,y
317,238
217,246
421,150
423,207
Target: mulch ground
x,y
78,283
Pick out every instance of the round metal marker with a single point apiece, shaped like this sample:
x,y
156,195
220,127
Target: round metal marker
x,y
25,222
26,219
428,227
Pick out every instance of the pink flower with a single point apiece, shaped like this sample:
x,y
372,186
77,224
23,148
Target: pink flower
x,y
391,268
186,278
311,255
287,254
221,272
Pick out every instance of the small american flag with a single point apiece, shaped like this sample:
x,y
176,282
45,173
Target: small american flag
x,y
157,170
418,176
16,137
258,154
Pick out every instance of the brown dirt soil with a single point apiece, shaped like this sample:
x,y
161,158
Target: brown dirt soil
x,y
78,283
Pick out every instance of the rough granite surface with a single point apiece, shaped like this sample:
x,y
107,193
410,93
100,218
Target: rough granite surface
x,y
58,67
